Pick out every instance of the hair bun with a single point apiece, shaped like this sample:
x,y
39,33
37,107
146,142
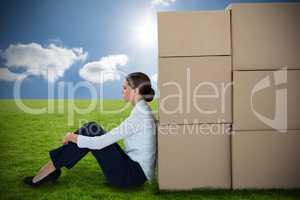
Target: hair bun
x,y
149,97
143,83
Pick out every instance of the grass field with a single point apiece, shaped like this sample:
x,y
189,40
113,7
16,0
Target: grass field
x,y
27,138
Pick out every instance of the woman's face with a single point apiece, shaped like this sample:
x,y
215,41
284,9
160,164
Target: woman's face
x,y
127,92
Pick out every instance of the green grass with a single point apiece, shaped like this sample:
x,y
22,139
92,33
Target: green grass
x,y
25,140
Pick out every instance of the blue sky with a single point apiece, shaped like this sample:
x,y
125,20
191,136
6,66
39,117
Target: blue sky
x,y
74,39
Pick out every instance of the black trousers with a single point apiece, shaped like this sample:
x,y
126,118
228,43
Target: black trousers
x,y
118,169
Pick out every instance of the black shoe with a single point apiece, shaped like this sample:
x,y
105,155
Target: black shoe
x,y
53,176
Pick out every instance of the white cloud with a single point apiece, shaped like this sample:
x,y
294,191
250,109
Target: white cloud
x,y
7,75
105,69
162,2
49,62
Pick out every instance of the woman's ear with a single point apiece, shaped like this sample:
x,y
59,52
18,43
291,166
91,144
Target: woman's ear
x,y
136,91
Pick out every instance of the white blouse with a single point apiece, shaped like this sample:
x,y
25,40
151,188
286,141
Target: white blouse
x,y
139,134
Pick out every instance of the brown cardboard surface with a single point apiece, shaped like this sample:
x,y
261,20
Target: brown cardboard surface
x,y
275,97
194,156
194,33
194,90
266,159
265,35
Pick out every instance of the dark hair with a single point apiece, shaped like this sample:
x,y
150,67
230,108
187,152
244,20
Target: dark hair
x,y
142,82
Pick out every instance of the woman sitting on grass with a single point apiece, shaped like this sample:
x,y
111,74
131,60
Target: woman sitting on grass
x,y
129,168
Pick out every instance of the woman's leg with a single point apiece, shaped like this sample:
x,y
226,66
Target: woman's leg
x,y
67,155
118,168
44,171
116,165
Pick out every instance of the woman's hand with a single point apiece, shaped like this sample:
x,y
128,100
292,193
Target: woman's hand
x,y
70,137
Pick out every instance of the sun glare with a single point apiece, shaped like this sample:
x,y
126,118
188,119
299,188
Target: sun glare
x,y
145,32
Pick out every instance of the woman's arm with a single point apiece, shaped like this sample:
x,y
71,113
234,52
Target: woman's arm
x,y
131,125
128,127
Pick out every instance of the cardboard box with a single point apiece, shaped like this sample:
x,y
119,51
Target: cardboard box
x,y
266,100
194,90
266,159
194,156
194,33
265,35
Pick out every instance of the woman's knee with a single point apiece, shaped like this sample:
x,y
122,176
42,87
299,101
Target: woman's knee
x,y
90,129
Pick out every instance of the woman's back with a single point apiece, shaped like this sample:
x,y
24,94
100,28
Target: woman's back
x,y
141,146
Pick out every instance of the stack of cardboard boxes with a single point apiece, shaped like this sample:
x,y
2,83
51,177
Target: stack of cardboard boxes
x,y
196,70
266,110
195,98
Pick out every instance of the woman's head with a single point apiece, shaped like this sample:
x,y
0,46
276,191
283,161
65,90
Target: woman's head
x,y
137,85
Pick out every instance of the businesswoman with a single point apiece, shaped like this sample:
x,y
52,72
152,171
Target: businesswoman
x,y
128,168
